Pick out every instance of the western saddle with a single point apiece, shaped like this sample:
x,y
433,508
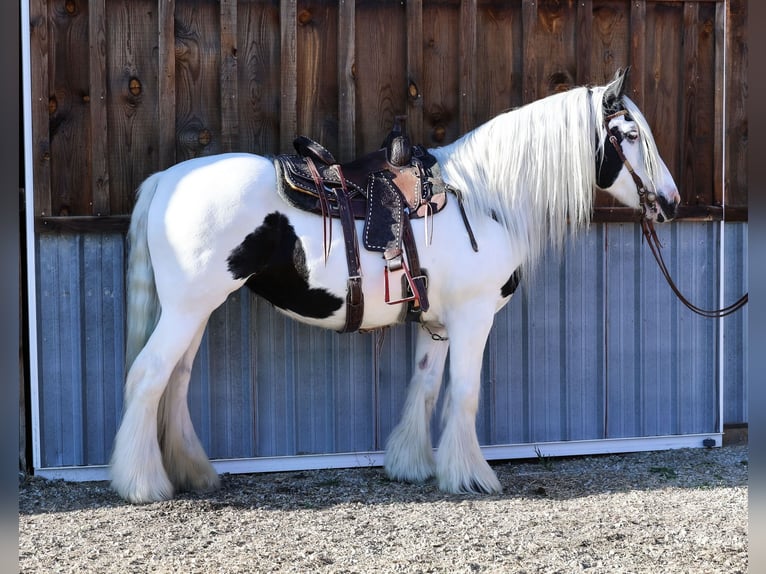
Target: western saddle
x,y
386,189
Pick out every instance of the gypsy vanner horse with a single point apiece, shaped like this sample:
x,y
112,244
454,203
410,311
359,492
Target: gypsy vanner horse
x,y
207,226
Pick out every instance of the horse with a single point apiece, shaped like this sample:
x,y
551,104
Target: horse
x,y
208,226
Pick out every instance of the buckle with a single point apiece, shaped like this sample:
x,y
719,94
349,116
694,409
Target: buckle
x,y
414,295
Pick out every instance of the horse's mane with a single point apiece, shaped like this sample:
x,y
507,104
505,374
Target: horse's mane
x,y
534,168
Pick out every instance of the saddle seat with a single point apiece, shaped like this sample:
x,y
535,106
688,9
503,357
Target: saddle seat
x,y
386,189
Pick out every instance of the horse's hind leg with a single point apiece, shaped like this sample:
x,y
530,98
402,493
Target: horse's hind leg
x,y
183,456
138,474
460,465
409,452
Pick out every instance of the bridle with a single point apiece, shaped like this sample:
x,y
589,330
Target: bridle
x,y
648,202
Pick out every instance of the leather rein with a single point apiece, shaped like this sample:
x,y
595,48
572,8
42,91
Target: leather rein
x,y
648,201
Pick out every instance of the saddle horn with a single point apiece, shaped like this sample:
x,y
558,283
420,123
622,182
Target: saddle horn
x,y
397,144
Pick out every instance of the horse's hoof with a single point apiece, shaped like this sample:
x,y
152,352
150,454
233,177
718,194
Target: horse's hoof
x,y
145,494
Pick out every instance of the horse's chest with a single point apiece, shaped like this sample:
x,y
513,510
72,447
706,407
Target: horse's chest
x,y
273,262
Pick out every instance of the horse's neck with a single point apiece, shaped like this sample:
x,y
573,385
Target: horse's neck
x,y
509,169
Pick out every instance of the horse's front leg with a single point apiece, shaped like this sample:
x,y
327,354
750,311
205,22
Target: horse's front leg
x,y
409,452
460,465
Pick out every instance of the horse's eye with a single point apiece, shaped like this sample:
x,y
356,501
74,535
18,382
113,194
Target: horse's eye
x,y
632,136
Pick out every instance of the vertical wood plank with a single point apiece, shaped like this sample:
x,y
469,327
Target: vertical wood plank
x,y
229,89
663,76
441,74
689,96
98,117
259,76
414,14
198,75
317,72
530,56
638,51
288,116
381,62
41,93
346,80
584,40
611,41
556,46
467,80
69,126
736,104
499,59
132,99
167,83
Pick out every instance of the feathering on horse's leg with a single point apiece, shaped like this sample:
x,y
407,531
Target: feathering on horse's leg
x,y
460,464
409,452
183,456
137,472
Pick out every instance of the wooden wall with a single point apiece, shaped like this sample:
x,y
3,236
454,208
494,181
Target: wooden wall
x,y
123,88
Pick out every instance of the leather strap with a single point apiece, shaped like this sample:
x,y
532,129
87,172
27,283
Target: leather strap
x,y
354,294
654,245
418,278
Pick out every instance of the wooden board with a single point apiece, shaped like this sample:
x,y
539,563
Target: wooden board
x,y
123,88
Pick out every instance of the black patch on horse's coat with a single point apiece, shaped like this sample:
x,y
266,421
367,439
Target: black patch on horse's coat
x,y
609,168
274,260
511,285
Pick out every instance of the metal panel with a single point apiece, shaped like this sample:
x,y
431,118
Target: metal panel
x,y
546,350
662,364
735,330
263,385
81,347
592,346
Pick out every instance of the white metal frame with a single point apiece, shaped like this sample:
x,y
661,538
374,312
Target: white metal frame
x,y
26,82
375,458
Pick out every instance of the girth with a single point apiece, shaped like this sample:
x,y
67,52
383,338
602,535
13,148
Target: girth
x,y
386,189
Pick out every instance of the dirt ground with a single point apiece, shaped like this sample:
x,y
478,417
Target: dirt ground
x,y
671,511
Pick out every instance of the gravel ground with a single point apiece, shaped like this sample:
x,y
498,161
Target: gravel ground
x,y
672,511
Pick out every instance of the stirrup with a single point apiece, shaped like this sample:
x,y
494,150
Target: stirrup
x,y
410,282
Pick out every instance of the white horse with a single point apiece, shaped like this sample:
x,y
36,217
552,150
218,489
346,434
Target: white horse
x,y
207,226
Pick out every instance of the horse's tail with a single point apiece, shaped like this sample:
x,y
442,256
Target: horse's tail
x,y
143,306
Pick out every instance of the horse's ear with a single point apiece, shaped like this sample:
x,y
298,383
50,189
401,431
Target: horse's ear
x,y
615,90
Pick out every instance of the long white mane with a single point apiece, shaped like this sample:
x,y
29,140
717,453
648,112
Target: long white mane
x,y
534,168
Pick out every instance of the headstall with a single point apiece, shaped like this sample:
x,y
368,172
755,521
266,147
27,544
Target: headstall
x,y
648,200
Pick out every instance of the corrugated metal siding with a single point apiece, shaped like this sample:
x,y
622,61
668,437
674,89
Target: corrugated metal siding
x,y
592,346
81,346
736,344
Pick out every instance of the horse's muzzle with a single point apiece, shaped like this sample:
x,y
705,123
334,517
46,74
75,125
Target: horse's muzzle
x,y
667,210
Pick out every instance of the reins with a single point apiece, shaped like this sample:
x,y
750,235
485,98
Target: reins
x,y
655,246
648,203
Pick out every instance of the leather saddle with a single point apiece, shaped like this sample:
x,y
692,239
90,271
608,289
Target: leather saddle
x,y
381,187
386,189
